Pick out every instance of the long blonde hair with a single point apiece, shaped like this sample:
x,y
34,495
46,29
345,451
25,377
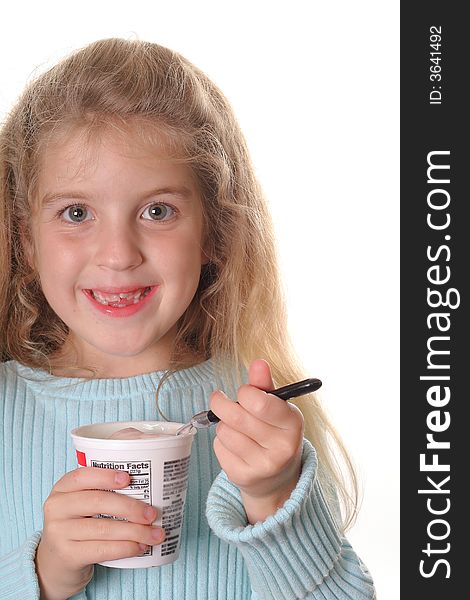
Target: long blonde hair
x,y
238,310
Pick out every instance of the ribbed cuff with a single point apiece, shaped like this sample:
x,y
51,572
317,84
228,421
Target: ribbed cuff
x,y
292,551
18,577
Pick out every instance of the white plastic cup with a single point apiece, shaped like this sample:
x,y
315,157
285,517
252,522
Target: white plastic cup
x,y
158,468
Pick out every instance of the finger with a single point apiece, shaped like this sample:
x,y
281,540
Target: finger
x,y
92,478
267,407
88,503
253,440
240,444
265,461
256,413
238,418
240,471
109,529
92,552
250,431
259,375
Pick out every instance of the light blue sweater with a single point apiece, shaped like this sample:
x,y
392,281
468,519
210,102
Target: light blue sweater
x,y
296,553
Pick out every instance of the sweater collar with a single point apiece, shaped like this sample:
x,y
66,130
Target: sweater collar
x,y
43,382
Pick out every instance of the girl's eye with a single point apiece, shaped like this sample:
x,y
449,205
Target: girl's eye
x,y
74,214
159,212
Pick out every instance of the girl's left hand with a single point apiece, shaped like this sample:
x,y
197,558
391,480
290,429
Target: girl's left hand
x,y
259,443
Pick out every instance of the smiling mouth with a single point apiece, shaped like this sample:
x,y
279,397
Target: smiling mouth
x,y
120,300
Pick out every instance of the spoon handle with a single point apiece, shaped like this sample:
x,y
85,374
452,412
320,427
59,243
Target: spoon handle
x,y
293,390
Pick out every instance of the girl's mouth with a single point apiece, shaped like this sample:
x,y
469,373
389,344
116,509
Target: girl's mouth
x,y
121,304
120,300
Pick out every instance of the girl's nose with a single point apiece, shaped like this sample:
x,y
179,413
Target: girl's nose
x,y
118,249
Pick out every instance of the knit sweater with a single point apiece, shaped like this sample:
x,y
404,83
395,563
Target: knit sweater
x,y
296,553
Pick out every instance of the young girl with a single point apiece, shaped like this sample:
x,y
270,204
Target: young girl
x,y
138,255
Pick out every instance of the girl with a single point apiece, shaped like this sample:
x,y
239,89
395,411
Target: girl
x,y
138,255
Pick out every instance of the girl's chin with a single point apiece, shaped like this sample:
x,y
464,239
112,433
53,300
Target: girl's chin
x,y
116,355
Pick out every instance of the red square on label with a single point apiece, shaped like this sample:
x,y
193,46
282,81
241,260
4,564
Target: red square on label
x,y
81,458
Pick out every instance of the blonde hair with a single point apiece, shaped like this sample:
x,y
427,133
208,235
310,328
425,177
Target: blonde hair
x,y
238,310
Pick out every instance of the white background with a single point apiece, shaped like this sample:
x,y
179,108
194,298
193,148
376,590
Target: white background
x,y
315,87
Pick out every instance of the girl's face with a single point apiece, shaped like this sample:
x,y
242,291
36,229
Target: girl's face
x,y
118,248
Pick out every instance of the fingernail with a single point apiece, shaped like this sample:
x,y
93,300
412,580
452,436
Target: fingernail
x,y
158,534
150,513
121,477
143,547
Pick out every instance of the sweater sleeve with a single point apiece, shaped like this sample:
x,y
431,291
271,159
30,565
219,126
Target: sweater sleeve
x,y
18,578
296,553
17,572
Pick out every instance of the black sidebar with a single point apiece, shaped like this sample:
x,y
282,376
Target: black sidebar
x,y
435,318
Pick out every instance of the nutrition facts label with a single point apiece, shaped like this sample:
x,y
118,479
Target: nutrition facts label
x,y
140,485
173,480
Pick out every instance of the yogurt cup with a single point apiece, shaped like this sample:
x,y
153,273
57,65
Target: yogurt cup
x,y
158,468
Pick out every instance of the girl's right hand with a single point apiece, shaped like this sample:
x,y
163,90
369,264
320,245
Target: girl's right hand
x,y
72,542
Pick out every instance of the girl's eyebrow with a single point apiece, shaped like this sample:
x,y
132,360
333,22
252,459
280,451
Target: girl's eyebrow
x,y
52,198
182,192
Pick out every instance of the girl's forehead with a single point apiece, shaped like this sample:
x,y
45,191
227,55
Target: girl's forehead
x,y
76,160
132,140
77,152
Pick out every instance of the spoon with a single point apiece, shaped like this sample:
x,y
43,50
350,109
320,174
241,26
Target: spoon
x,y
206,418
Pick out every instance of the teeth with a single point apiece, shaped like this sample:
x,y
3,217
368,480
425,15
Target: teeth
x,y
114,298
